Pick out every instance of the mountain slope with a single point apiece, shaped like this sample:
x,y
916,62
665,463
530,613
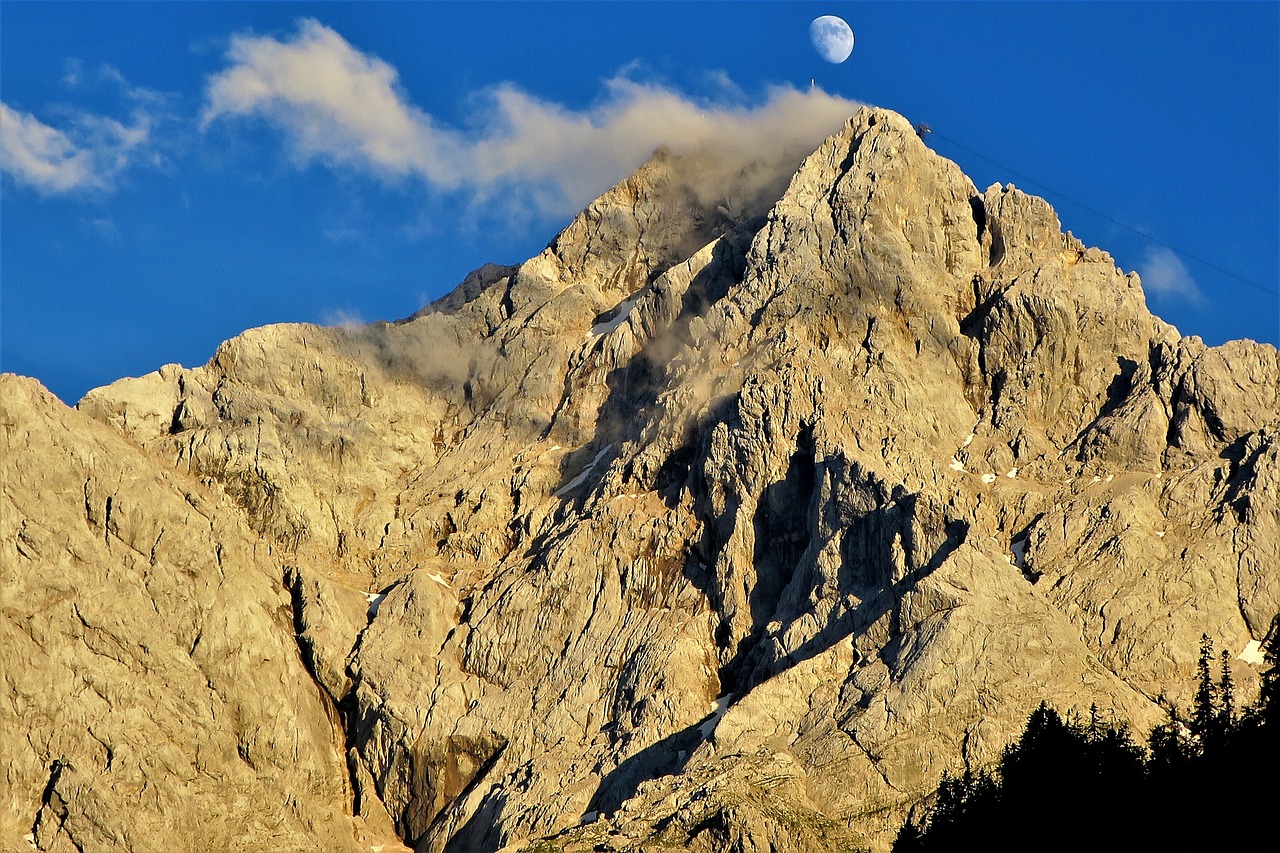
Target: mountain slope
x,y
152,687
726,524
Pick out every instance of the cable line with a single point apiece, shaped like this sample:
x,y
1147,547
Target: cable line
x,y
1110,219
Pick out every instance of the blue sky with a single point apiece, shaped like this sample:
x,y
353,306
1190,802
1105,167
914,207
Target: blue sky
x,y
175,173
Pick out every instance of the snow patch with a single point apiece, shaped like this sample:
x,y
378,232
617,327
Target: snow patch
x,y
988,478
624,310
375,601
968,441
590,817
1110,477
718,708
1253,653
1013,472
1160,533
582,475
435,577
956,464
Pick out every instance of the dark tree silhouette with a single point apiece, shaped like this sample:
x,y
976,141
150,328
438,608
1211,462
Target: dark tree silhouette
x,y
1204,715
1226,695
1208,782
1269,701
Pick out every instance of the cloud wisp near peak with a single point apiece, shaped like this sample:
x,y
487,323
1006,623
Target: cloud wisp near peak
x,y
339,106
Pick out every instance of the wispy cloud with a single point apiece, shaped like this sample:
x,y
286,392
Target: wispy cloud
x,y
72,73
104,228
88,151
337,105
135,94
342,318
42,157
1165,276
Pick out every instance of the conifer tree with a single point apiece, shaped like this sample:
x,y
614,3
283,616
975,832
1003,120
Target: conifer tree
x,y
1269,701
1204,714
1226,696
1066,783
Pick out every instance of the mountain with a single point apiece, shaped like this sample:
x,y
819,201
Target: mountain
x,y
730,521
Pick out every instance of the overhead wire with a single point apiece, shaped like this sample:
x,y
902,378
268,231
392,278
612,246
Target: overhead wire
x,y
1110,219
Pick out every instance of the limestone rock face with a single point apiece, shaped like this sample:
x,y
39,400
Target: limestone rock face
x,y
153,689
720,524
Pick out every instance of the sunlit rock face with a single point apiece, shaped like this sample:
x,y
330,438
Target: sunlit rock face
x,y
723,523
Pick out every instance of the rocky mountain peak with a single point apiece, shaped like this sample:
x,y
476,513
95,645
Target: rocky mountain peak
x,y
769,491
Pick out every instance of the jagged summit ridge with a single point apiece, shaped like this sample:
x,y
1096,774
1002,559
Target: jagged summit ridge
x,y
706,526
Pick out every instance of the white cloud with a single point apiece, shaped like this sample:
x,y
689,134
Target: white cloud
x,y
335,103
40,156
87,155
87,151
1165,276
345,108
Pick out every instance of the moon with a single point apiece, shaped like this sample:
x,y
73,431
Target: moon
x,y
832,38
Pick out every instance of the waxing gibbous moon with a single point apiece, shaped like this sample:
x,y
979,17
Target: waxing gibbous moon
x,y
832,38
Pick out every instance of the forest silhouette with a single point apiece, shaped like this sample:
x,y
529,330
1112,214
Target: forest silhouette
x,y
1206,780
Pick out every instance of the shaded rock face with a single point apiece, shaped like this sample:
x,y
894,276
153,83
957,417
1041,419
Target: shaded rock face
x,y
717,526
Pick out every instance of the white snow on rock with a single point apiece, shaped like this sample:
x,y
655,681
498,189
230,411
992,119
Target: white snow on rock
x,y
956,464
435,577
624,310
988,478
1160,533
718,708
1253,653
1013,472
968,441
375,601
582,475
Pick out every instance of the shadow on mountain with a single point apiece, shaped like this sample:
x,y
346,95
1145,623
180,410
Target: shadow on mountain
x,y
782,529
872,577
889,539
667,757
635,386
479,833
